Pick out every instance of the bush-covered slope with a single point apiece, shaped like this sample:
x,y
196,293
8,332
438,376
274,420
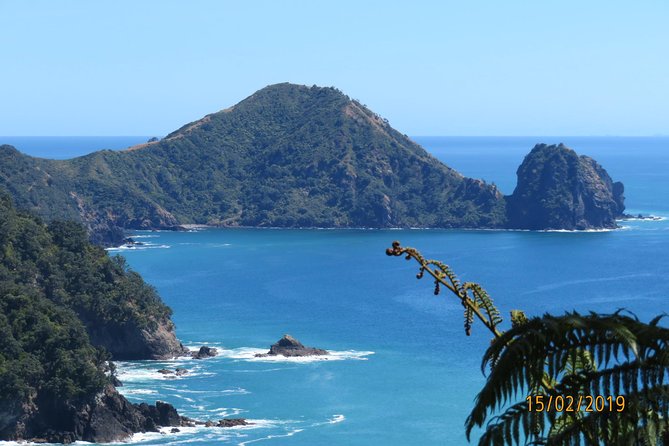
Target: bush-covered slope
x,y
64,307
119,311
287,156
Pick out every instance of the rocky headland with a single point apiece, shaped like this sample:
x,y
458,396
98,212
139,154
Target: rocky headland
x,y
557,189
80,309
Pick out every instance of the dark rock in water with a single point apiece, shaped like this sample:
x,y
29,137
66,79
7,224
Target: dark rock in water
x,y
175,430
225,422
557,189
640,217
167,414
232,422
289,346
132,242
205,352
176,372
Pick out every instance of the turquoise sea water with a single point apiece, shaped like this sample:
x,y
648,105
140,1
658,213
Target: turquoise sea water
x,y
403,372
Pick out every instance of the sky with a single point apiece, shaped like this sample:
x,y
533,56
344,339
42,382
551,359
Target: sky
x,y
480,68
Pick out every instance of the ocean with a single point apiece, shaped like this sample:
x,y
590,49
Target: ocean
x,y
402,371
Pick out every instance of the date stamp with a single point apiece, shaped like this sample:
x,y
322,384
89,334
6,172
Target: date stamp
x,y
569,403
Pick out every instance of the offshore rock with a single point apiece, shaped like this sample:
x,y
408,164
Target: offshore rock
x,y
557,189
289,346
232,422
205,352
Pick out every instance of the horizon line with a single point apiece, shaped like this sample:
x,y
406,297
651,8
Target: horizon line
x,y
659,135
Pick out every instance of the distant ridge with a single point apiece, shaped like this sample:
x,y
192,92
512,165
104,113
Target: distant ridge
x,y
287,156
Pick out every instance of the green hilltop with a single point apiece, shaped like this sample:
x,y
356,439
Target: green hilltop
x,y
287,156
294,156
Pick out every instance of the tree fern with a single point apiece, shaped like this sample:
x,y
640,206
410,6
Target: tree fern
x,y
569,356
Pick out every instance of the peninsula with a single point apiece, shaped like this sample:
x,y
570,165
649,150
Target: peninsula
x,y
294,156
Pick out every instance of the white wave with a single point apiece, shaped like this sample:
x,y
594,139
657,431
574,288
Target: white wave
x,y
269,437
30,443
338,418
219,392
227,412
194,347
137,247
276,369
143,236
133,375
577,231
197,434
249,354
140,371
649,218
138,391
193,434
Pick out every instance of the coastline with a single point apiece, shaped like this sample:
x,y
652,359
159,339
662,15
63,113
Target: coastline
x,y
139,233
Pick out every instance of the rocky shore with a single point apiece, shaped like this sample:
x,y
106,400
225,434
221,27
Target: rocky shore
x,y
108,417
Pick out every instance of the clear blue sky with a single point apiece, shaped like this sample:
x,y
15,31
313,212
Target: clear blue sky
x,y
432,68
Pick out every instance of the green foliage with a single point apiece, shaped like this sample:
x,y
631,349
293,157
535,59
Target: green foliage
x,y
288,156
582,355
52,278
474,298
616,358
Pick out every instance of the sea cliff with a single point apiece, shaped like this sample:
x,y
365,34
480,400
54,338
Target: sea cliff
x,y
557,189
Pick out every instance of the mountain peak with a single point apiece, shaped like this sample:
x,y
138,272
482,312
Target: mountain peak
x,y
298,156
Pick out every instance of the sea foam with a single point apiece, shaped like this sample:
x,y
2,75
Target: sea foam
x,y
249,354
141,247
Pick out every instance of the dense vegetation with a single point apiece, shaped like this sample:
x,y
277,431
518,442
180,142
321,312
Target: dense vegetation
x,y
52,279
562,380
287,156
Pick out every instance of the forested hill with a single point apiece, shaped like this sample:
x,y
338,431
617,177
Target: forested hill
x,y
287,156
64,307
56,265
